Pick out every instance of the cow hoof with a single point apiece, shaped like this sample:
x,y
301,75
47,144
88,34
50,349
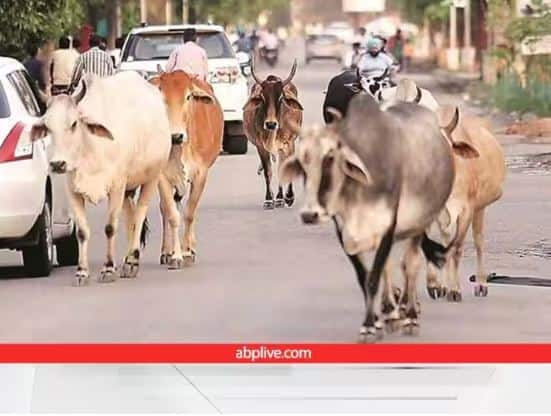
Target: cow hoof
x,y
481,291
81,278
107,275
165,259
436,292
289,202
268,204
410,327
454,296
129,270
369,335
279,203
175,263
189,258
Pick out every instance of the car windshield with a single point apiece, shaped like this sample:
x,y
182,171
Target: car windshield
x,y
4,105
148,46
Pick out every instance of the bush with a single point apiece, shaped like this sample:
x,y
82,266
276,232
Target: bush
x,y
509,95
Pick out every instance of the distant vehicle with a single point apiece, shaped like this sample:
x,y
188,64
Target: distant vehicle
x,y
343,30
147,47
34,210
323,46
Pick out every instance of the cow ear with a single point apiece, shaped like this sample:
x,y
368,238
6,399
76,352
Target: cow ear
x,y
290,169
201,95
38,131
97,129
291,98
354,168
156,80
465,150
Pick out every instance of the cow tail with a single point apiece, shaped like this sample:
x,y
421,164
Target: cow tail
x,y
146,230
433,251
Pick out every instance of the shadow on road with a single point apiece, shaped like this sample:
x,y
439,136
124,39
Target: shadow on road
x,y
12,272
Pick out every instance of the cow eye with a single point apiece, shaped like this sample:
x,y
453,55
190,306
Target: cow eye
x,y
74,125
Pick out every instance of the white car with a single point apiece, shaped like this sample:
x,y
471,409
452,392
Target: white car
x,y
147,47
34,211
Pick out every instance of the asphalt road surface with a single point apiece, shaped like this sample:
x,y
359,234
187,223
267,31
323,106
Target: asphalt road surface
x,y
264,277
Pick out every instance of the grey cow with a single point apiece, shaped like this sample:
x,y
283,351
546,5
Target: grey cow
x,y
382,177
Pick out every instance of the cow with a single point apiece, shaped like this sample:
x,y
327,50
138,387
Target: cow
x,y
343,87
110,138
272,108
478,184
382,184
197,127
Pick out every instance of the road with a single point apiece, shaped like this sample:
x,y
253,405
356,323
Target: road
x,y
264,277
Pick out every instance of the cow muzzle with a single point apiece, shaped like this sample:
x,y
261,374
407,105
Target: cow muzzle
x,y
178,138
310,217
58,166
271,125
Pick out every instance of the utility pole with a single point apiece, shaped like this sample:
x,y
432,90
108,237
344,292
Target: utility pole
x,y
143,11
185,11
168,11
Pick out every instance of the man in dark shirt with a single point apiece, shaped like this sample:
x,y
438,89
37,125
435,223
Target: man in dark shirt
x,y
35,67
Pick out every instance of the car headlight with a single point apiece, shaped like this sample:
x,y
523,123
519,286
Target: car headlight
x,y
227,75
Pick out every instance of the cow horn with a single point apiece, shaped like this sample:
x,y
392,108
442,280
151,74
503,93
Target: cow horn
x,y
292,74
419,95
256,79
334,113
453,124
80,95
160,70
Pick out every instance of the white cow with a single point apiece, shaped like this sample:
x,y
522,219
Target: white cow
x,y
110,138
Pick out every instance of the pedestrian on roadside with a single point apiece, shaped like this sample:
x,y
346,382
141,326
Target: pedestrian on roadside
x,y
64,60
396,47
93,61
35,67
189,57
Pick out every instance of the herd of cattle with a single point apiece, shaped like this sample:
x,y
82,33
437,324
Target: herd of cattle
x,y
390,165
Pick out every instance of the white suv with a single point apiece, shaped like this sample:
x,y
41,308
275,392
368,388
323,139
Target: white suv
x,y
149,46
34,211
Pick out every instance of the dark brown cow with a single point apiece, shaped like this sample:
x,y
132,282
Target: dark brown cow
x,y
269,116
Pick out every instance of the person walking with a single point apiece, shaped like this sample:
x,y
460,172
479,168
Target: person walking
x,y
64,60
189,57
35,67
93,61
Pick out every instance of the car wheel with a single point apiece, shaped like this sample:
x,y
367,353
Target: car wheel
x,y
67,250
38,260
236,145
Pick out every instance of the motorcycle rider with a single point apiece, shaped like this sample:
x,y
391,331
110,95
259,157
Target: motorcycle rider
x,y
375,60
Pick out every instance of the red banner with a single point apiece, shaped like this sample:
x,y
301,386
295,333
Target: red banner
x,y
275,353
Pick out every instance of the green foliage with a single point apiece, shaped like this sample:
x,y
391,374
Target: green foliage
x,y
31,22
130,16
414,10
531,27
509,95
236,11
438,12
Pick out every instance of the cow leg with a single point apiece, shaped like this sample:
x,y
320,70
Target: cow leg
x,y
83,235
190,216
131,262
481,288
391,296
463,223
116,202
369,329
279,201
435,288
171,251
266,162
290,196
410,267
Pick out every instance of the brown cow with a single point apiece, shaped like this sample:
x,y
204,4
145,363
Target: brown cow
x,y
270,114
478,184
197,122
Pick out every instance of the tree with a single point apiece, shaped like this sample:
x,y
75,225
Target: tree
x,y
28,23
235,11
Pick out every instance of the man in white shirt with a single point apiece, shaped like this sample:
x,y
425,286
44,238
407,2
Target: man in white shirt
x,y
375,60
189,57
61,68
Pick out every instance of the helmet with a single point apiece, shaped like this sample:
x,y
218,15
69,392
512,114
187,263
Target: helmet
x,y
374,44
